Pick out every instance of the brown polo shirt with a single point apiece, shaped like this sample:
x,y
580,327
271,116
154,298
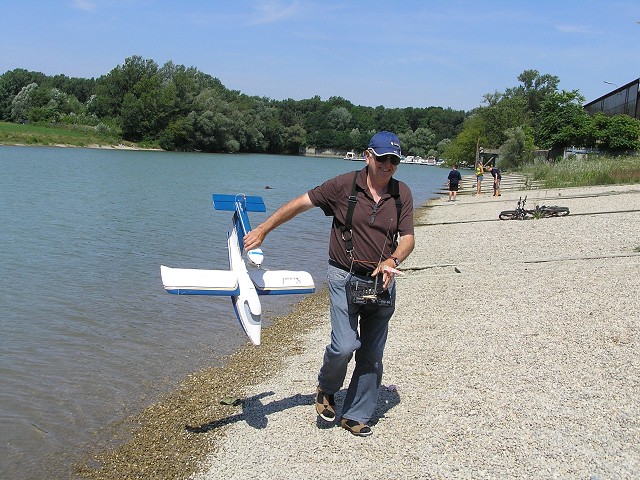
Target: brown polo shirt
x,y
373,225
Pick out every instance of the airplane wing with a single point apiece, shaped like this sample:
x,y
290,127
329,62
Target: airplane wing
x,y
281,282
189,281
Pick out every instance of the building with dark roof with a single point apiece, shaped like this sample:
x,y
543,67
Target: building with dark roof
x,y
622,100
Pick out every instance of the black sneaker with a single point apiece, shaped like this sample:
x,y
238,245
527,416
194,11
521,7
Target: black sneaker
x,y
325,406
356,428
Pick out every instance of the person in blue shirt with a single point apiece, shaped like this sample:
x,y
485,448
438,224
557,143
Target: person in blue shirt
x,y
453,181
495,173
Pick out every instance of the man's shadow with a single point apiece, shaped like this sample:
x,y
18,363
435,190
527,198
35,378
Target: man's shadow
x,y
256,413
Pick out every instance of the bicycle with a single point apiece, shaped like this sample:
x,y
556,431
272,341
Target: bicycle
x,y
521,213
518,214
550,211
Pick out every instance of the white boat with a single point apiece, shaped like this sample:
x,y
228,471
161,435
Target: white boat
x,y
351,155
431,160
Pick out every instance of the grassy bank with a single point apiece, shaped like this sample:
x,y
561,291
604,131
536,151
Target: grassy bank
x,y
594,170
43,135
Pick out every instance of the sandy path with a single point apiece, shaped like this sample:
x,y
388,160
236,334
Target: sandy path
x,y
525,364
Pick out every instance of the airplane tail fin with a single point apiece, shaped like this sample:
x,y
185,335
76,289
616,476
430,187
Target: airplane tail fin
x,y
228,202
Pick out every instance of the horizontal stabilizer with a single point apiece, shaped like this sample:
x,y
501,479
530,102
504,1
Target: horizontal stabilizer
x,y
281,282
188,281
228,202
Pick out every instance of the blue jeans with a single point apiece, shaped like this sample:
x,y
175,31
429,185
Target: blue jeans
x,y
368,344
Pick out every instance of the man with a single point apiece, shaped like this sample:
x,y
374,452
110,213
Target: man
x,y
497,177
453,180
363,253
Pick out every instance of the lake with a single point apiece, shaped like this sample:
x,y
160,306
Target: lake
x,y
89,336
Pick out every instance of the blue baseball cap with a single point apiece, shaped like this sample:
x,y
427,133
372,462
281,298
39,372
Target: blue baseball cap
x,y
384,143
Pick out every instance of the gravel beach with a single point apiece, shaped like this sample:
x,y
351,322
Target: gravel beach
x,y
514,353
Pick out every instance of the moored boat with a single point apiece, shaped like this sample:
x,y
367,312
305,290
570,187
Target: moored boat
x,y
351,155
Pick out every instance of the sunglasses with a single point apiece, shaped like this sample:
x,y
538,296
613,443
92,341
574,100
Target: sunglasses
x,y
392,158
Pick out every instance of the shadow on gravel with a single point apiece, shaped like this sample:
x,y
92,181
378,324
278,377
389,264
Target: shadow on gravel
x,y
389,398
256,413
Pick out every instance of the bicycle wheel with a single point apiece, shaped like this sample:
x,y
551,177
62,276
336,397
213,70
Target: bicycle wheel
x,y
554,211
508,215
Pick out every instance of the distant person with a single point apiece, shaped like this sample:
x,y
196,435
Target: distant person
x,y
497,177
453,181
363,257
479,177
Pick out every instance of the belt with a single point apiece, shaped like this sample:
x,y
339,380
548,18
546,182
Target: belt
x,y
335,264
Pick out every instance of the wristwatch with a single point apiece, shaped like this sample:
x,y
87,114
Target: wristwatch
x,y
396,261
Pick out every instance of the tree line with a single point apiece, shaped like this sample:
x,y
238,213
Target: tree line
x,y
537,115
183,109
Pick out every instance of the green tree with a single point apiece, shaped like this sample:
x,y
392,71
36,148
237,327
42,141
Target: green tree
x,y
442,146
614,133
562,121
148,109
517,107
391,119
420,142
517,149
289,112
112,88
186,109
185,82
11,83
462,149
363,119
81,88
73,107
443,122
339,118
178,135
217,124
294,139
535,88
507,113
359,140
408,142
23,102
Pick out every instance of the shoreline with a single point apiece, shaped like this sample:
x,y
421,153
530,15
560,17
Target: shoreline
x,y
464,394
120,146
163,441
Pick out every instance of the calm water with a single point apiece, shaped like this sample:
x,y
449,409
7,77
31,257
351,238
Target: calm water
x,y
88,335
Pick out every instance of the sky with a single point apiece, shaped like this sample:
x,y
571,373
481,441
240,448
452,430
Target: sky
x,y
413,53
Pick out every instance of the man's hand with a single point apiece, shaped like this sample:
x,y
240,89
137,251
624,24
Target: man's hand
x,y
253,239
388,271
388,267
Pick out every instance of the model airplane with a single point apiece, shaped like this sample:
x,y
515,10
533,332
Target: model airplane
x,y
241,284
